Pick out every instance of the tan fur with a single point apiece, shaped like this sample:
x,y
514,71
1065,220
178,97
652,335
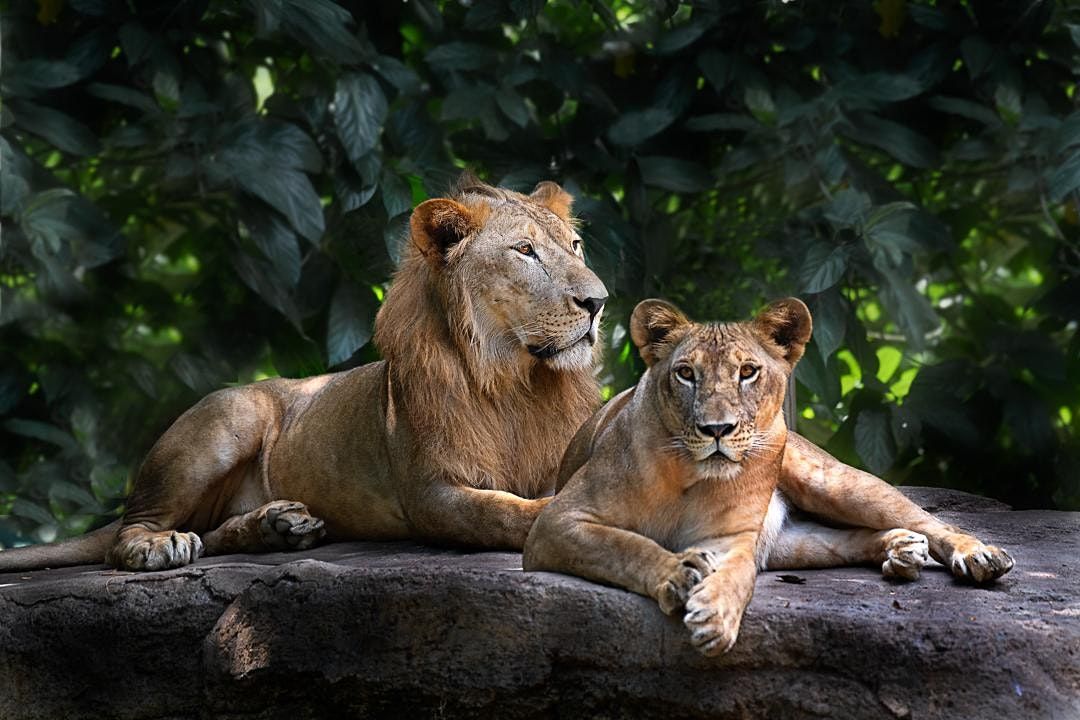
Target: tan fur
x,y
678,488
455,437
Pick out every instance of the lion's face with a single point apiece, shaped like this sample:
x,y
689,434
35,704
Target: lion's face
x,y
720,387
516,264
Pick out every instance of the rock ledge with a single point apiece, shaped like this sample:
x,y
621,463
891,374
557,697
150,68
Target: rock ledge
x,y
396,629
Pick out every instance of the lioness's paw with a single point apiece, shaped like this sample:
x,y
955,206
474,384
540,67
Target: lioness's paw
x,y
905,554
687,569
156,551
979,563
713,619
288,525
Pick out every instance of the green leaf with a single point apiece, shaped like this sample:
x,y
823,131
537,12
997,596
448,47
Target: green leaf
x,y
847,208
965,108
512,105
195,372
14,180
1007,101
679,37
124,96
32,77
359,113
462,56
880,87
277,242
1065,179
829,312
874,440
637,126
978,54
818,376
45,432
761,105
1029,420
44,219
32,511
673,174
349,325
721,121
397,73
716,66
262,277
56,128
913,312
396,194
526,9
823,267
904,144
266,158
322,26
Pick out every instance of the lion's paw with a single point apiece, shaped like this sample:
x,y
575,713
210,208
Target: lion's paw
x,y
906,553
156,551
288,525
979,563
712,619
688,568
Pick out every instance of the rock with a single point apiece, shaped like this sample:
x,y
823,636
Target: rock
x,y
396,629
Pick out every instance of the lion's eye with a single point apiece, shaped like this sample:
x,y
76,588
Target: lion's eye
x,y
685,372
747,371
525,248
576,245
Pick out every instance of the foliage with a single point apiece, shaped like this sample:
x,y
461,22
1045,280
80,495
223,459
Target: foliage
x,y
910,169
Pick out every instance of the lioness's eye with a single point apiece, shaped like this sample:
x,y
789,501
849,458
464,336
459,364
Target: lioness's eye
x,y
525,248
747,371
685,372
576,245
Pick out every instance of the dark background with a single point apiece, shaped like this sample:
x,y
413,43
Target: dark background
x,y
197,194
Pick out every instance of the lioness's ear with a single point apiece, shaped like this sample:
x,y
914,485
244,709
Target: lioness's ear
x,y
656,326
554,198
439,224
786,325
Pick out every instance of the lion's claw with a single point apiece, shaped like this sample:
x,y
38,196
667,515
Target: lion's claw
x,y
287,524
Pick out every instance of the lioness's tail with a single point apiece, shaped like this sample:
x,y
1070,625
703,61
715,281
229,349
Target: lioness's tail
x,y
83,550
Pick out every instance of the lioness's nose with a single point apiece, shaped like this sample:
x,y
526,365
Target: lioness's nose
x,y
592,304
717,431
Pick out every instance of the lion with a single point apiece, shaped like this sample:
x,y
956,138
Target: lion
x,y
680,487
489,336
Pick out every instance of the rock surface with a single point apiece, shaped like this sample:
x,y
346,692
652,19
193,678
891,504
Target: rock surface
x,y
399,630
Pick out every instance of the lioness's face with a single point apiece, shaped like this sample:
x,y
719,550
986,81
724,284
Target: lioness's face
x,y
519,268
720,387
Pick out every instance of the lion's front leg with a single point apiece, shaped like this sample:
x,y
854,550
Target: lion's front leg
x,y
715,607
818,483
279,525
462,515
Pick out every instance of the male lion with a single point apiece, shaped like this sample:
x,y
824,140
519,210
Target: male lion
x,y
678,488
489,334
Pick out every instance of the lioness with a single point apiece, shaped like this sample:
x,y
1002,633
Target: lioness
x,y
678,488
489,334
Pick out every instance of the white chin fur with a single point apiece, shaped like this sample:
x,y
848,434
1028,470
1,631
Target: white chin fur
x,y
576,357
716,468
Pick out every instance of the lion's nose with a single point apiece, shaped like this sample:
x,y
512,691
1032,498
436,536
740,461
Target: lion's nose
x,y
717,431
592,304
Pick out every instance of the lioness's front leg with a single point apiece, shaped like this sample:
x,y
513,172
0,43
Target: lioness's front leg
x,y
576,543
818,483
715,607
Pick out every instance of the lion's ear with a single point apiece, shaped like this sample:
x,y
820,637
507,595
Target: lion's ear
x,y
439,224
656,326
554,198
785,324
